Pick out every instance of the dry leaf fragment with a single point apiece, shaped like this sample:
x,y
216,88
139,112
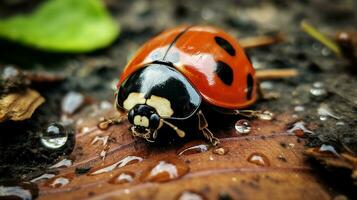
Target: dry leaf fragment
x,y
19,106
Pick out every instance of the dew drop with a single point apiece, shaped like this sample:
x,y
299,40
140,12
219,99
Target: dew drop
x,y
265,115
220,150
259,159
63,163
71,102
102,139
266,85
299,108
42,177
190,195
24,190
299,129
121,163
340,123
324,112
123,177
54,137
194,149
165,170
58,182
329,148
318,89
243,126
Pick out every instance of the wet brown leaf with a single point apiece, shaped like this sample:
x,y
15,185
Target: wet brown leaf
x,y
268,163
345,160
19,106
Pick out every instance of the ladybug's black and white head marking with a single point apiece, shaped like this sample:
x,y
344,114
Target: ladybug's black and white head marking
x,y
154,93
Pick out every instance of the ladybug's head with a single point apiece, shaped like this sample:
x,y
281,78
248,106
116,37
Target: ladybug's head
x,y
145,121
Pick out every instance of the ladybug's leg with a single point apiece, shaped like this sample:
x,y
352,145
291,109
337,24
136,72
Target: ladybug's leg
x,y
203,127
179,132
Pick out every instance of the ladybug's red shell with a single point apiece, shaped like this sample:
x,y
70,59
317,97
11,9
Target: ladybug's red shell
x,y
209,58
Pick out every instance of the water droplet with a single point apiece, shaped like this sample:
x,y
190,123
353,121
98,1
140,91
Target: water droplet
x,y
265,115
299,108
24,190
318,89
63,163
299,129
123,177
324,112
105,105
59,182
103,139
190,195
71,102
42,177
259,159
340,123
194,149
10,71
329,148
243,126
220,150
165,170
54,137
207,14
121,163
266,85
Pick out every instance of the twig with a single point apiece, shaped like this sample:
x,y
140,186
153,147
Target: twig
x,y
260,41
269,74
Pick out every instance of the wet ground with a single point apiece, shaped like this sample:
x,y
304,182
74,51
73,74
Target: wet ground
x,y
323,95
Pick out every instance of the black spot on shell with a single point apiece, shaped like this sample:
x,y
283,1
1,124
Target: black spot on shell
x,y
250,85
224,72
224,44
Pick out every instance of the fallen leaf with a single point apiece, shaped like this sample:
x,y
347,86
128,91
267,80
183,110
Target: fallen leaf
x,y
19,106
63,26
345,160
267,162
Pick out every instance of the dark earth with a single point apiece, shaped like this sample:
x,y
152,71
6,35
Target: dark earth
x,y
94,74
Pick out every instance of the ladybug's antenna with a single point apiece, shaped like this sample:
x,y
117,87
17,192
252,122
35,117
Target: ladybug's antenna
x,y
179,132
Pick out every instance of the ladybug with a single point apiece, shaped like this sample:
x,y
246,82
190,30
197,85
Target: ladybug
x,y
177,71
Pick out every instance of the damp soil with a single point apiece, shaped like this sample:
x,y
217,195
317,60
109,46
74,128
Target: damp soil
x,y
95,74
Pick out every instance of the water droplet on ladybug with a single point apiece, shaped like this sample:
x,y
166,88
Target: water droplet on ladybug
x,y
123,177
54,137
259,159
165,170
243,126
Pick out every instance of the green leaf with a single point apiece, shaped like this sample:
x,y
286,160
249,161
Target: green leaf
x,y
63,26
